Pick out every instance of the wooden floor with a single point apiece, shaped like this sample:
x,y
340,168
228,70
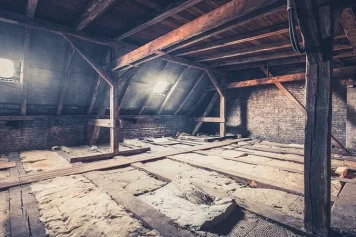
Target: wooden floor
x,y
250,169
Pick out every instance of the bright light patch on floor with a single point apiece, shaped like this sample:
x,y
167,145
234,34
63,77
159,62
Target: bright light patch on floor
x,y
6,68
160,87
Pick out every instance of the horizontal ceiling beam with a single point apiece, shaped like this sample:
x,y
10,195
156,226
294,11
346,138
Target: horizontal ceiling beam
x,y
156,17
338,73
93,10
224,14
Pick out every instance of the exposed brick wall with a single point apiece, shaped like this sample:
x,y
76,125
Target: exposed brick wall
x,y
265,112
45,133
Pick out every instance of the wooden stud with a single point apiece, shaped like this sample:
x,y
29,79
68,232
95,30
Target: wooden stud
x,y
31,7
65,80
228,12
156,17
171,90
317,26
94,9
25,69
222,129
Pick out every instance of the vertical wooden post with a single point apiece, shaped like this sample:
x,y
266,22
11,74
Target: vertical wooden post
x,y
25,69
114,117
317,26
223,115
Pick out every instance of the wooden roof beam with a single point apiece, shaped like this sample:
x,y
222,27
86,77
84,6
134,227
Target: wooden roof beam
x,y
156,17
31,7
86,56
338,73
348,22
224,14
93,10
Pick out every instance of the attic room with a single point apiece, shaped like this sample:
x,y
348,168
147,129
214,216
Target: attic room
x,y
177,118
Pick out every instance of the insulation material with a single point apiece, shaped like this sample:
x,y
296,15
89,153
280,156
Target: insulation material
x,y
188,205
73,206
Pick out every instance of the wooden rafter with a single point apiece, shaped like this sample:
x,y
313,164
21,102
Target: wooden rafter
x,y
86,56
348,22
94,9
171,90
31,7
240,52
267,57
246,37
224,14
206,112
196,83
65,80
25,69
338,73
214,82
156,17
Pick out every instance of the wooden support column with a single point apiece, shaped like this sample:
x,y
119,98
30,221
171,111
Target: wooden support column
x,y
317,26
25,69
65,79
114,117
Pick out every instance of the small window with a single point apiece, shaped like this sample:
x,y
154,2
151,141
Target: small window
x,y
10,71
160,87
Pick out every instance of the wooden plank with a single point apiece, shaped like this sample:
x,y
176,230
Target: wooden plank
x,y
106,156
228,12
24,213
244,178
65,80
241,38
348,22
260,210
318,34
103,165
26,69
155,17
172,89
338,73
196,83
7,165
210,119
94,9
31,7
101,123
206,112
141,210
344,210
86,56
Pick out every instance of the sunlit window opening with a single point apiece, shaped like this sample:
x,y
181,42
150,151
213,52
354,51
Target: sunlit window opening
x,y
160,87
6,68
